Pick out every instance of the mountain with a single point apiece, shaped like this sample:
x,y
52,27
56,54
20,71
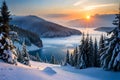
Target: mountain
x,y
27,36
104,29
95,21
42,27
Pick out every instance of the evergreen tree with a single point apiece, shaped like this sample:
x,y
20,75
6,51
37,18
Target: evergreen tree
x,y
38,57
25,54
101,44
1,29
7,49
96,55
82,54
90,54
5,16
75,57
110,57
86,49
20,56
13,36
71,60
46,60
52,61
76,50
67,61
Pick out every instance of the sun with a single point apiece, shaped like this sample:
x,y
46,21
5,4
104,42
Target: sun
x,y
88,17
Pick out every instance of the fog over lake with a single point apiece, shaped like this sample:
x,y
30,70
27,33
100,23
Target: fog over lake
x,y
58,46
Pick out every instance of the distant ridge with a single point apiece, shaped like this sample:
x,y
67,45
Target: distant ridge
x,y
42,27
104,29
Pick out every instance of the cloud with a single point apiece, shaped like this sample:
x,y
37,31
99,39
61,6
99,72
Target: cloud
x,y
56,15
79,2
97,6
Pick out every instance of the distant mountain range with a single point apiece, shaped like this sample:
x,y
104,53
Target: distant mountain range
x,y
95,21
104,29
42,27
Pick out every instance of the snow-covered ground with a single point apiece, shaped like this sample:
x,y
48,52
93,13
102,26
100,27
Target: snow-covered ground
x,y
43,71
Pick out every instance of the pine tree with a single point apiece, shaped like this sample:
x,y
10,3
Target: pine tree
x,y
90,54
96,55
25,54
82,57
52,61
38,57
110,57
71,60
7,49
75,57
67,61
101,44
86,49
87,53
5,16
20,56
13,36
1,29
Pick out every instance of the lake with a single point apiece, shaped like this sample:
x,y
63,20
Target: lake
x,y
58,46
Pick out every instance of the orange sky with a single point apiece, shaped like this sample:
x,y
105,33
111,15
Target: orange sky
x,y
65,9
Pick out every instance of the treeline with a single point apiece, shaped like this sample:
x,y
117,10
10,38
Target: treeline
x,y
27,36
86,54
105,55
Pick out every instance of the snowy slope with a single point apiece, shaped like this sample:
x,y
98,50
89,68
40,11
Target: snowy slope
x,y
43,71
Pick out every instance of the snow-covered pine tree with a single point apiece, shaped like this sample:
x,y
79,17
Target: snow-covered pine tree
x,y
110,57
71,60
20,56
67,58
101,44
38,57
26,59
90,54
5,14
86,49
52,61
96,55
14,36
82,55
86,56
75,57
46,60
7,49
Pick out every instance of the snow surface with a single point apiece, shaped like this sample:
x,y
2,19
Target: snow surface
x,y
43,71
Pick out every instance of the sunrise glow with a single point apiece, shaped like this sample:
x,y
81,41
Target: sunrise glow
x,y
55,9
88,17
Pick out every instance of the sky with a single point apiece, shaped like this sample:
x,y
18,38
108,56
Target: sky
x,y
67,9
